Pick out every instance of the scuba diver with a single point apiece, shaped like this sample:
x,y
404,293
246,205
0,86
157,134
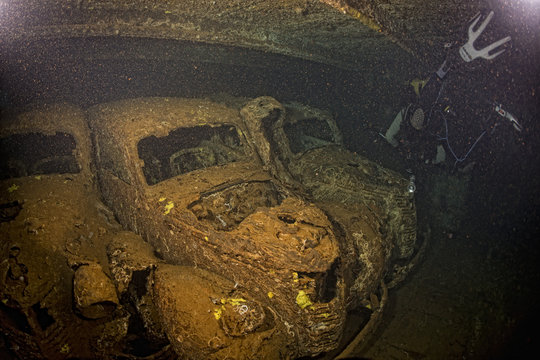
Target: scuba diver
x,y
452,116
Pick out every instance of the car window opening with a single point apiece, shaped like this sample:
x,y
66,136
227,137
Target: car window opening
x,y
307,134
37,154
188,149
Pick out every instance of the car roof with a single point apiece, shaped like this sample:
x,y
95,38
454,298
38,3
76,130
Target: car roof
x,y
50,119
133,119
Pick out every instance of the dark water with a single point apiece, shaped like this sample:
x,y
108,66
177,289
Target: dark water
x,y
482,264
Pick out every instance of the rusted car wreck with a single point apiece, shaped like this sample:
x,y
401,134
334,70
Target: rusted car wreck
x,y
57,297
220,188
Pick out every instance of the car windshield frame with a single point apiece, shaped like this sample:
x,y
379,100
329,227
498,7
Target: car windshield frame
x,y
186,149
301,137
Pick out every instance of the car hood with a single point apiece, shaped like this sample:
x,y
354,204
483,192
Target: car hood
x,y
242,204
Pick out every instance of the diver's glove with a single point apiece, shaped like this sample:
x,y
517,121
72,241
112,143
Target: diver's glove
x,y
469,53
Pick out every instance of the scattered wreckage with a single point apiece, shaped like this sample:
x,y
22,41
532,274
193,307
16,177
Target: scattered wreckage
x,y
261,231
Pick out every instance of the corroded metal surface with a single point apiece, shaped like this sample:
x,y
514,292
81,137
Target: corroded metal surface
x,y
346,33
301,28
